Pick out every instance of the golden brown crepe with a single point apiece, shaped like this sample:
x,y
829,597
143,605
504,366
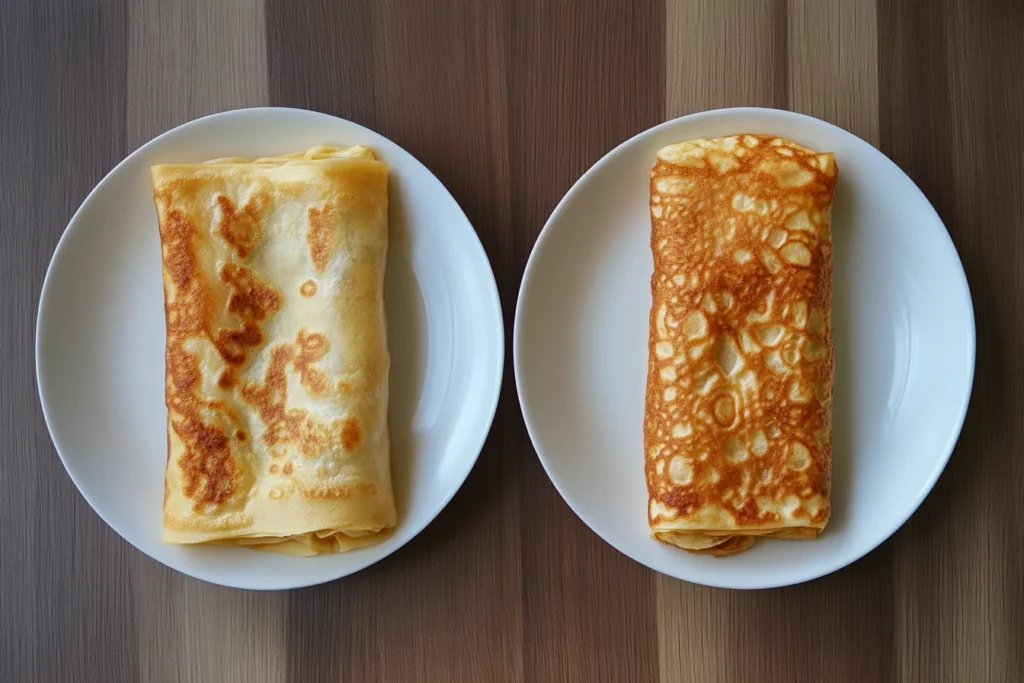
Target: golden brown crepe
x,y
738,419
277,361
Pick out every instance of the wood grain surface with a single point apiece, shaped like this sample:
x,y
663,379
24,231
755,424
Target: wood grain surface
x,y
508,102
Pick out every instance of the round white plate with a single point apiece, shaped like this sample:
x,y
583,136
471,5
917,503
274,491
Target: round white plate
x,y
100,343
904,347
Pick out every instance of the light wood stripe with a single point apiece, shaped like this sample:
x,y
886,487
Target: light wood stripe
x,y
726,53
819,58
833,63
188,58
718,54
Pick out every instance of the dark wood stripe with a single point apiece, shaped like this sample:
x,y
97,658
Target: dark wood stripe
x,y
320,56
584,77
63,573
944,121
439,94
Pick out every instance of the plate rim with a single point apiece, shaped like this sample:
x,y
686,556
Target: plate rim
x,y
492,294
944,237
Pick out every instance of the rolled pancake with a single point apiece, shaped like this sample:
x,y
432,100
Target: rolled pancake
x,y
276,358
738,414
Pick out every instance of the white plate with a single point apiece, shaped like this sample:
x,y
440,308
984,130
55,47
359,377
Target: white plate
x,y
100,342
904,344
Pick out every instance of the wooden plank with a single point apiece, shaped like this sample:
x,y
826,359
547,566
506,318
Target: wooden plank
x,y
717,54
583,78
833,63
819,58
320,56
727,53
65,611
186,59
439,70
950,95
430,76
190,58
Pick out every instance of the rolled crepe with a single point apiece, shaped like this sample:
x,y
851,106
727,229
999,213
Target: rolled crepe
x,y
276,358
738,415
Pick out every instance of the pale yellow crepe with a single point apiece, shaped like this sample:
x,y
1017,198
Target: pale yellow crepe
x,y
277,361
738,420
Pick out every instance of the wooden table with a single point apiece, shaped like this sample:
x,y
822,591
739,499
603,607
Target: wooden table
x,y
508,102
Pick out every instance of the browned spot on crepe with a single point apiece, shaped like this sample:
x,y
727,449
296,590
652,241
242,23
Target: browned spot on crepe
x,y
351,433
321,236
241,228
